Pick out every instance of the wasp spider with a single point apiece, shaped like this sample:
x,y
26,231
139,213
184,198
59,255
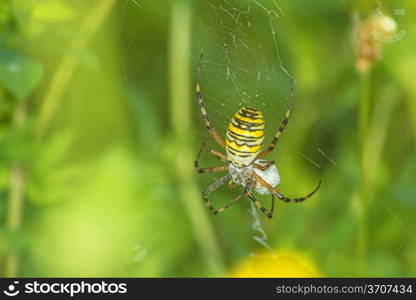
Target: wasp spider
x,y
244,155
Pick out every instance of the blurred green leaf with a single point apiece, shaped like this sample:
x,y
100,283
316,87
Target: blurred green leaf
x,y
5,14
52,11
6,106
15,144
35,17
47,171
19,74
11,240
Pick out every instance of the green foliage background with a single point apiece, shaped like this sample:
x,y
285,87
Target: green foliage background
x,y
98,120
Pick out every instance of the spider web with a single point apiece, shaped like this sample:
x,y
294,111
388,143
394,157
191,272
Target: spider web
x,y
246,61
239,68
243,64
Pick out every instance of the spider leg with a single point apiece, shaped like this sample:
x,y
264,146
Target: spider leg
x,y
264,210
281,196
265,167
198,156
214,152
218,155
212,131
282,125
220,210
215,185
299,199
212,169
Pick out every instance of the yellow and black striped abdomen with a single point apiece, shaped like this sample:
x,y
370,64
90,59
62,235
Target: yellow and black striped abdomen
x,y
245,136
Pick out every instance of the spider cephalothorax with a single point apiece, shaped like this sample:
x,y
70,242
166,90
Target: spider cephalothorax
x,y
243,146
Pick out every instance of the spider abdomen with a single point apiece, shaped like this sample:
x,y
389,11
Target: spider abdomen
x,y
245,136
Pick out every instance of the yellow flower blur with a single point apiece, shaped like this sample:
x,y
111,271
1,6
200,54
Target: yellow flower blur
x,y
279,264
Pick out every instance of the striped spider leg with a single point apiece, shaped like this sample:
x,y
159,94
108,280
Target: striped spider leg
x,y
215,186
211,129
217,183
280,195
246,191
282,124
268,213
215,153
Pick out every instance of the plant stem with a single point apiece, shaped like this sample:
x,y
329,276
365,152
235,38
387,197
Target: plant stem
x,y
364,110
16,195
372,140
362,210
179,48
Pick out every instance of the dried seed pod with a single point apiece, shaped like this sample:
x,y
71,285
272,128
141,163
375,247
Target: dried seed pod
x,y
371,34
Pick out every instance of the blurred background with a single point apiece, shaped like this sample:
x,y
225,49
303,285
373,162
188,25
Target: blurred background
x,y
99,128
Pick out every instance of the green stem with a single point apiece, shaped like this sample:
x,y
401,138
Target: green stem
x,y
15,201
364,109
180,115
372,140
362,209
